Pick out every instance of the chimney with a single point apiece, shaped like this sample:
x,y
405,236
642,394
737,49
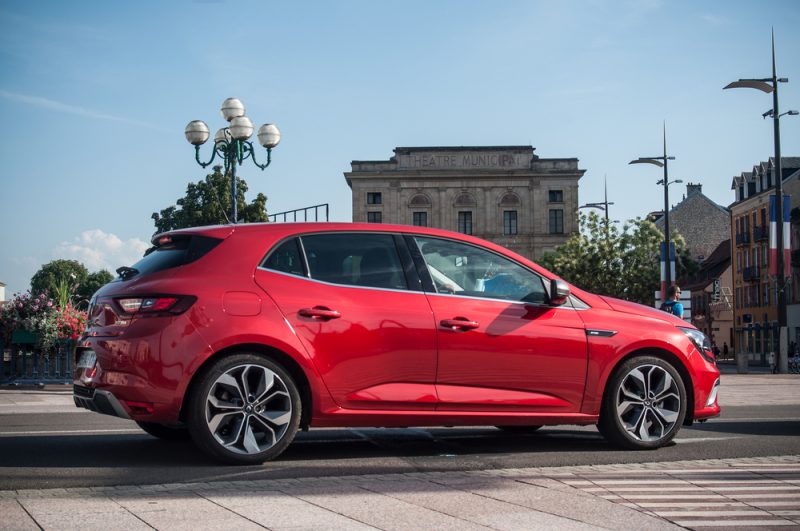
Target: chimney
x,y
692,188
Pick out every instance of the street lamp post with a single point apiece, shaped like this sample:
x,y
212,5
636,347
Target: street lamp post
x,y
767,85
601,205
663,162
232,144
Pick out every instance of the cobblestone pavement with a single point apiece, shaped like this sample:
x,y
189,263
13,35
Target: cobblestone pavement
x,y
709,494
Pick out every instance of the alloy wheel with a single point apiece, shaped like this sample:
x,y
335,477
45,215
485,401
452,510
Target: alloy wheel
x,y
248,409
648,403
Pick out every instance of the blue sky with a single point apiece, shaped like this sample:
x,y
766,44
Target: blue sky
x,y
94,97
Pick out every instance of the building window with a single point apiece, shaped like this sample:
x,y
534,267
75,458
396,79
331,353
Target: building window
x,y
374,198
556,196
556,221
374,217
421,219
509,222
465,222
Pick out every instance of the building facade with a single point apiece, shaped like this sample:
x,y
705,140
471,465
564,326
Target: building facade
x,y
711,296
703,223
505,194
755,309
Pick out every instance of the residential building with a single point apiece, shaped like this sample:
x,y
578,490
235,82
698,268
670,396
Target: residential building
x,y
505,194
755,295
702,222
712,296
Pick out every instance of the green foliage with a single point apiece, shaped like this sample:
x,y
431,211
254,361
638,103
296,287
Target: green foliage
x,y
68,282
620,263
59,276
94,282
208,202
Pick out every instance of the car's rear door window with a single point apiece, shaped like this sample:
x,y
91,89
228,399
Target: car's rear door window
x,y
286,258
353,259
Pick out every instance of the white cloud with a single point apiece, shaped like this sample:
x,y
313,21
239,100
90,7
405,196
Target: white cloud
x,y
58,106
98,250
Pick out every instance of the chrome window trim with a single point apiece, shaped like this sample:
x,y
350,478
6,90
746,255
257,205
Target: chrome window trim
x,y
338,285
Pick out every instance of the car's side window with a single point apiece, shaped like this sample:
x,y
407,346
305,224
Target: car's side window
x,y
463,269
355,259
286,258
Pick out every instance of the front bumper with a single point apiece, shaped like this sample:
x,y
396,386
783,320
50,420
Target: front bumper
x,y
711,407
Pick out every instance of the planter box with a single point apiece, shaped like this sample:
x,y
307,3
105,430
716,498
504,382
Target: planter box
x,y
23,337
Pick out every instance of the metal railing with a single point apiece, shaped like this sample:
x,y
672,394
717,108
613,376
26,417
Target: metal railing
x,y
305,211
26,364
761,233
743,238
751,273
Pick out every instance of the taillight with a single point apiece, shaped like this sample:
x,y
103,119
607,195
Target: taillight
x,y
155,305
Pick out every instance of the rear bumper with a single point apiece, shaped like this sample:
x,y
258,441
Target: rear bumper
x,y
99,401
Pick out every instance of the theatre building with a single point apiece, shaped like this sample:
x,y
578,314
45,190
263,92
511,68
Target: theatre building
x,y
505,194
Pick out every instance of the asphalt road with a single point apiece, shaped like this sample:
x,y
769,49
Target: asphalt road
x,y
43,445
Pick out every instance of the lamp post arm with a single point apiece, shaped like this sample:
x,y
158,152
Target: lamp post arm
x,y
197,156
252,153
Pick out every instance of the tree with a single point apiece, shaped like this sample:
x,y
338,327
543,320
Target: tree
x,y
208,202
620,263
58,277
94,282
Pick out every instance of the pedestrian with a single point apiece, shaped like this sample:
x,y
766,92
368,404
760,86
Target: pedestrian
x,y
672,305
771,361
725,349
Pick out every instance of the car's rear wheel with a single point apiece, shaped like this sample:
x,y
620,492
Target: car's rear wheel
x,y
167,433
244,410
644,404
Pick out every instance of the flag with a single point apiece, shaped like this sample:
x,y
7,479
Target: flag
x,y
773,236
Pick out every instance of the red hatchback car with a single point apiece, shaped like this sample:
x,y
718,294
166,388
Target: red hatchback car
x,y
240,335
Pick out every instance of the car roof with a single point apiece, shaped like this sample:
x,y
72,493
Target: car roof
x,y
285,229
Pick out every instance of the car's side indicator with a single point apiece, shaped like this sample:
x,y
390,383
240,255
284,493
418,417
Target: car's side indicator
x,y
600,333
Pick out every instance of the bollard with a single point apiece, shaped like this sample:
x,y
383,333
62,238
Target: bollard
x,y
741,362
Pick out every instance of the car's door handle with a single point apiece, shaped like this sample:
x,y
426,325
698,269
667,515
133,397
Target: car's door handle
x,y
459,323
319,312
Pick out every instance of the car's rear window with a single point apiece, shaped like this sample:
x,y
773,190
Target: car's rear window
x,y
176,252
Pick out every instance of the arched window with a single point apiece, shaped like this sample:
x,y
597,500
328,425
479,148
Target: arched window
x,y
510,199
419,201
465,200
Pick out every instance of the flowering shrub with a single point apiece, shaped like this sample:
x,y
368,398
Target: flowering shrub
x,y
41,316
70,322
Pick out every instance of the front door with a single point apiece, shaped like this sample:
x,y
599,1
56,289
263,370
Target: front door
x,y
501,346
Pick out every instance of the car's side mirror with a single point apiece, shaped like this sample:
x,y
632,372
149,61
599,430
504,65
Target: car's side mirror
x,y
559,292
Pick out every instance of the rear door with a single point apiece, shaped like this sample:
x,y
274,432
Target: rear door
x,y
361,315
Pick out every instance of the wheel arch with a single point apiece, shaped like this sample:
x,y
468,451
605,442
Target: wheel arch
x,y
673,360
285,360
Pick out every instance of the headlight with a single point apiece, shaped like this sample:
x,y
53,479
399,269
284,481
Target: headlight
x,y
700,341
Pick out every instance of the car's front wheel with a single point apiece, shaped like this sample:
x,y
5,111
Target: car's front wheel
x,y
245,409
644,404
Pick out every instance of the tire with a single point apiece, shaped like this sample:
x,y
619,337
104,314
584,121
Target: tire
x,y
519,430
164,432
244,410
644,404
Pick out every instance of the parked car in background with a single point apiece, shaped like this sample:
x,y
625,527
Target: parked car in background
x,y
240,335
